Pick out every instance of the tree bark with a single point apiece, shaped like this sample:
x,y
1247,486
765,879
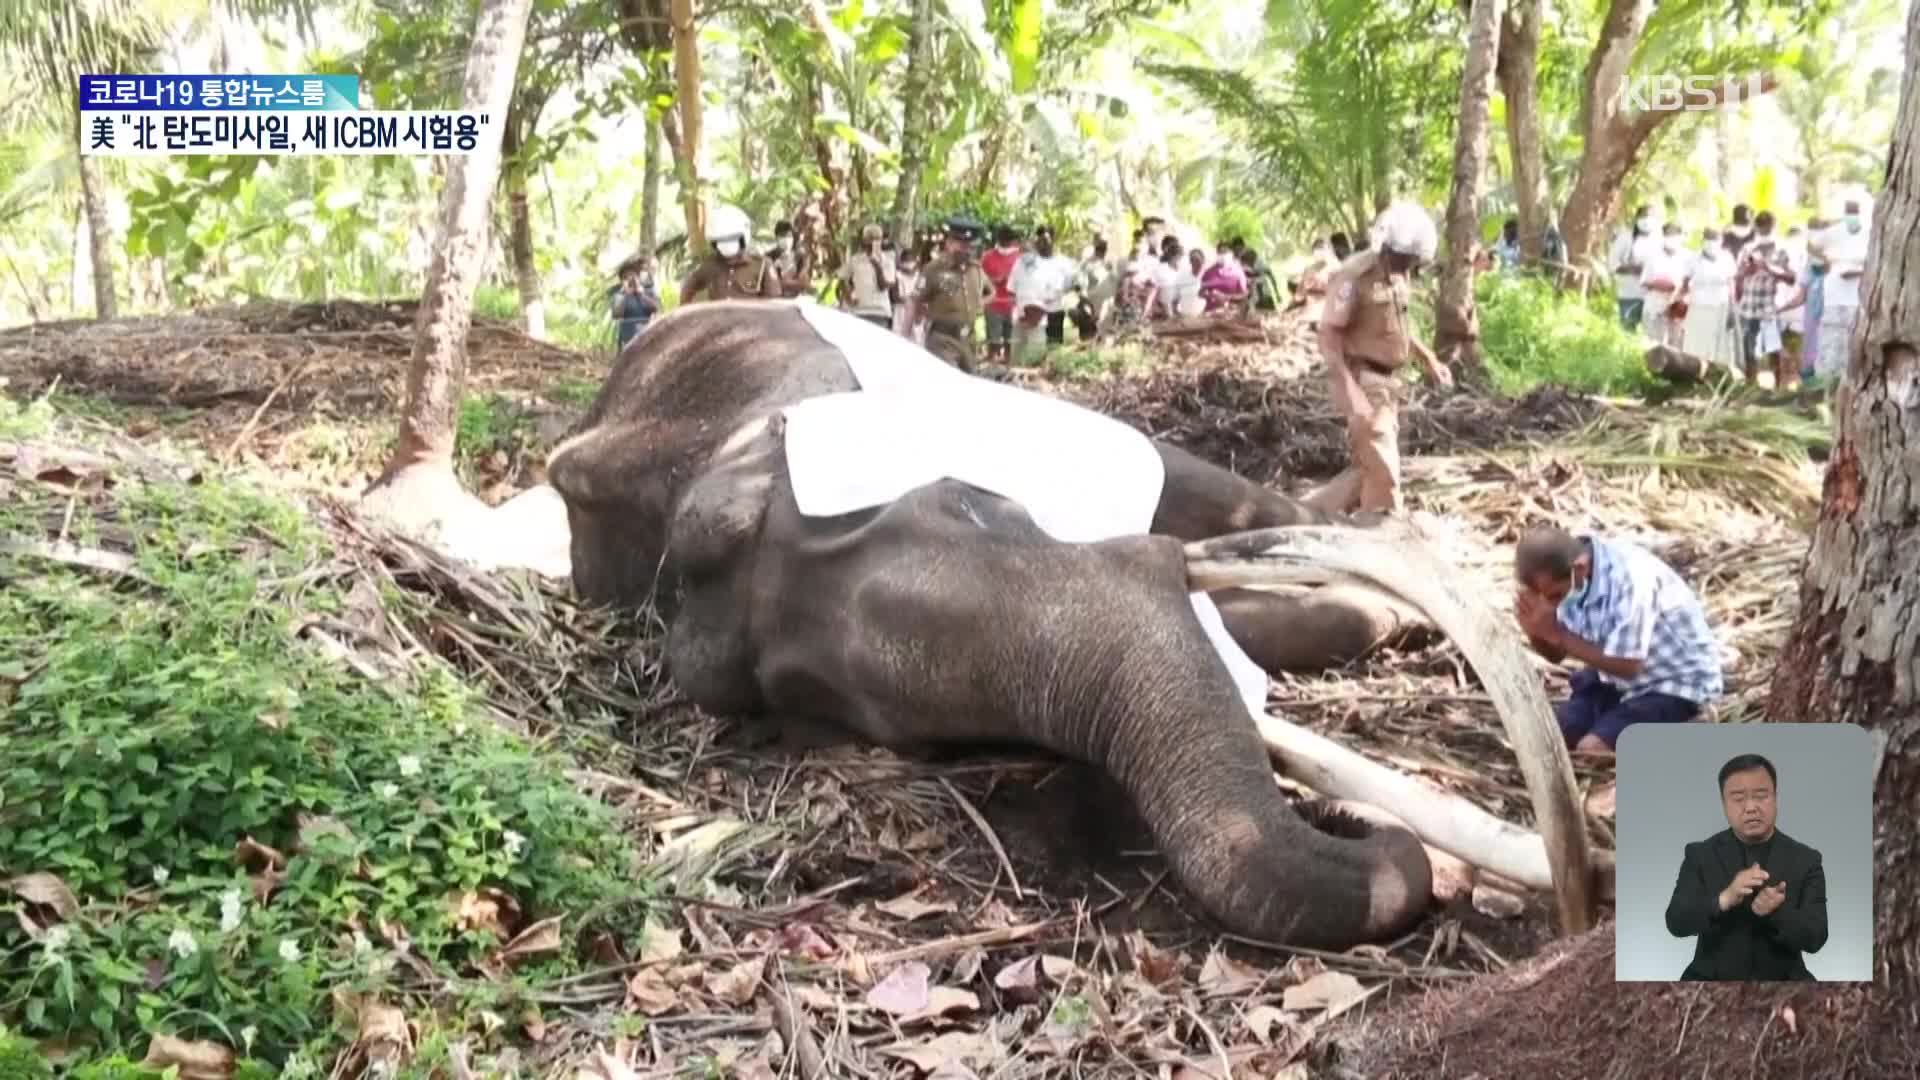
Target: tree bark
x,y
1603,160
526,276
1456,322
914,111
1853,654
1516,69
1612,137
686,102
650,190
421,489
99,230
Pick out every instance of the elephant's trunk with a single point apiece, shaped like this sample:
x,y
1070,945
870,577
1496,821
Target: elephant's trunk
x,y
1208,793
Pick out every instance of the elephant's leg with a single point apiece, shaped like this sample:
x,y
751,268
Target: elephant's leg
x,y
1315,629
1200,500
949,616
1326,628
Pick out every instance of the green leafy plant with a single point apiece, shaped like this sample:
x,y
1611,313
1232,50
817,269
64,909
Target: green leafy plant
x,y
1531,334
245,826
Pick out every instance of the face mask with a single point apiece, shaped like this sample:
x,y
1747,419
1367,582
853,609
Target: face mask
x,y
1853,222
727,248
1580,592
781,244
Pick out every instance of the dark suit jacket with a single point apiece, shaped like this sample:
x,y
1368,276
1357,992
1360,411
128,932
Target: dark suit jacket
x,y
1737,944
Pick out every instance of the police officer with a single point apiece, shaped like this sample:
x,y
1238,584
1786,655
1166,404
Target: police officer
x,y
953,290
1366,336
732,269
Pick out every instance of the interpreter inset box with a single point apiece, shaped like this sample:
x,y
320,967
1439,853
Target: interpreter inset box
x,y
1744,853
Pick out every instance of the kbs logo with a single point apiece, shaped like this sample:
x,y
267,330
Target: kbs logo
x,y
1689,93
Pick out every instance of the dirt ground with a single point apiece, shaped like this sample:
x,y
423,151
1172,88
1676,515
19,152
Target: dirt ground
x,y
1025,888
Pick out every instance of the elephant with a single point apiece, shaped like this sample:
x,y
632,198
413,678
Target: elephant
x,y
796,585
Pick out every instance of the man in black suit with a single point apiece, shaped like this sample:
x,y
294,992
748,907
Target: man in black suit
x,y
1755,897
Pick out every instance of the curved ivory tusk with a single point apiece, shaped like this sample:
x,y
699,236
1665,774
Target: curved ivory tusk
x,y
1437,817
1396,558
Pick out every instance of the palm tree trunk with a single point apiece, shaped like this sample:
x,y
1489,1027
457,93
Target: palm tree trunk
x,y
1519,84
650,190
526,275
418,488
1456,323
686,100
93,199
914,115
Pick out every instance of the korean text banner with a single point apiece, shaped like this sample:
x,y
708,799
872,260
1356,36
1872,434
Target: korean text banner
x,y
166,134
220,93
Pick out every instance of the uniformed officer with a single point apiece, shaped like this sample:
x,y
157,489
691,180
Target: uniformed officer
x,y
732,269
1366,335
953,290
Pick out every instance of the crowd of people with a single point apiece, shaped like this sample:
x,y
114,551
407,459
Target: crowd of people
x,y
1745,295
1021,288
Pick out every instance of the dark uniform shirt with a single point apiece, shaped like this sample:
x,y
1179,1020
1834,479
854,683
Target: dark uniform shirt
x,y
717,279
952,293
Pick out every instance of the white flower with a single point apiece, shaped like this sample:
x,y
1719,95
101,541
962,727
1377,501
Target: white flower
x,y
230,911
514,842
460,729
290,950
386,789
247,1036
182,943
160,876
55,939
409,765
361,946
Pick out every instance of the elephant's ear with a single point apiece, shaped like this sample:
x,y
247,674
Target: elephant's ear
x,y
721,511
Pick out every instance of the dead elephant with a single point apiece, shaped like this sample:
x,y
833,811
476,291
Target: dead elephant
x,y
837,527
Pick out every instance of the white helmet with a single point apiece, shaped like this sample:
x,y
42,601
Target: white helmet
x,y
729,223
1408,230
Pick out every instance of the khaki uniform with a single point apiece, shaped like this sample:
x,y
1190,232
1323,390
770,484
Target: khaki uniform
x,y
953,297
717,279
1368,308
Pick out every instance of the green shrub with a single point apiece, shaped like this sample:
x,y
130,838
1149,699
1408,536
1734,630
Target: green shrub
x,y
20,1059
1531,334
155,728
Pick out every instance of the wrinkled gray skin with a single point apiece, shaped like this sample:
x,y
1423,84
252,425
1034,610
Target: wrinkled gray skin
x,y
948,616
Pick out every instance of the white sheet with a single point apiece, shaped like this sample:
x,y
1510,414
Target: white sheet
x,y
1083,477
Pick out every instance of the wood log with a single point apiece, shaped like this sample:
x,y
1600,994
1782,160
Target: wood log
x,y
1676,366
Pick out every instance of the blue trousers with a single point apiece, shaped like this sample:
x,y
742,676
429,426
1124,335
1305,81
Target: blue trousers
x,y
1595,708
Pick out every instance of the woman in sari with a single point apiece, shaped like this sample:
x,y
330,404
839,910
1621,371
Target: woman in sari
x,y
1708,328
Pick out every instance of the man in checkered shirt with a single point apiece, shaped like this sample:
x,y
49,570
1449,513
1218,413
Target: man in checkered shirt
x,y
1763,268
1615,607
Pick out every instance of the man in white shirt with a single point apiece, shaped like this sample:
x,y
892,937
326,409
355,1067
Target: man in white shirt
x,y
1040,283
1845,248
869,277
1662,273
1629,251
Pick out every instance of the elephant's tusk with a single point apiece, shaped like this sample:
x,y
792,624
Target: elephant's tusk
x,y
1396,558
1446,821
